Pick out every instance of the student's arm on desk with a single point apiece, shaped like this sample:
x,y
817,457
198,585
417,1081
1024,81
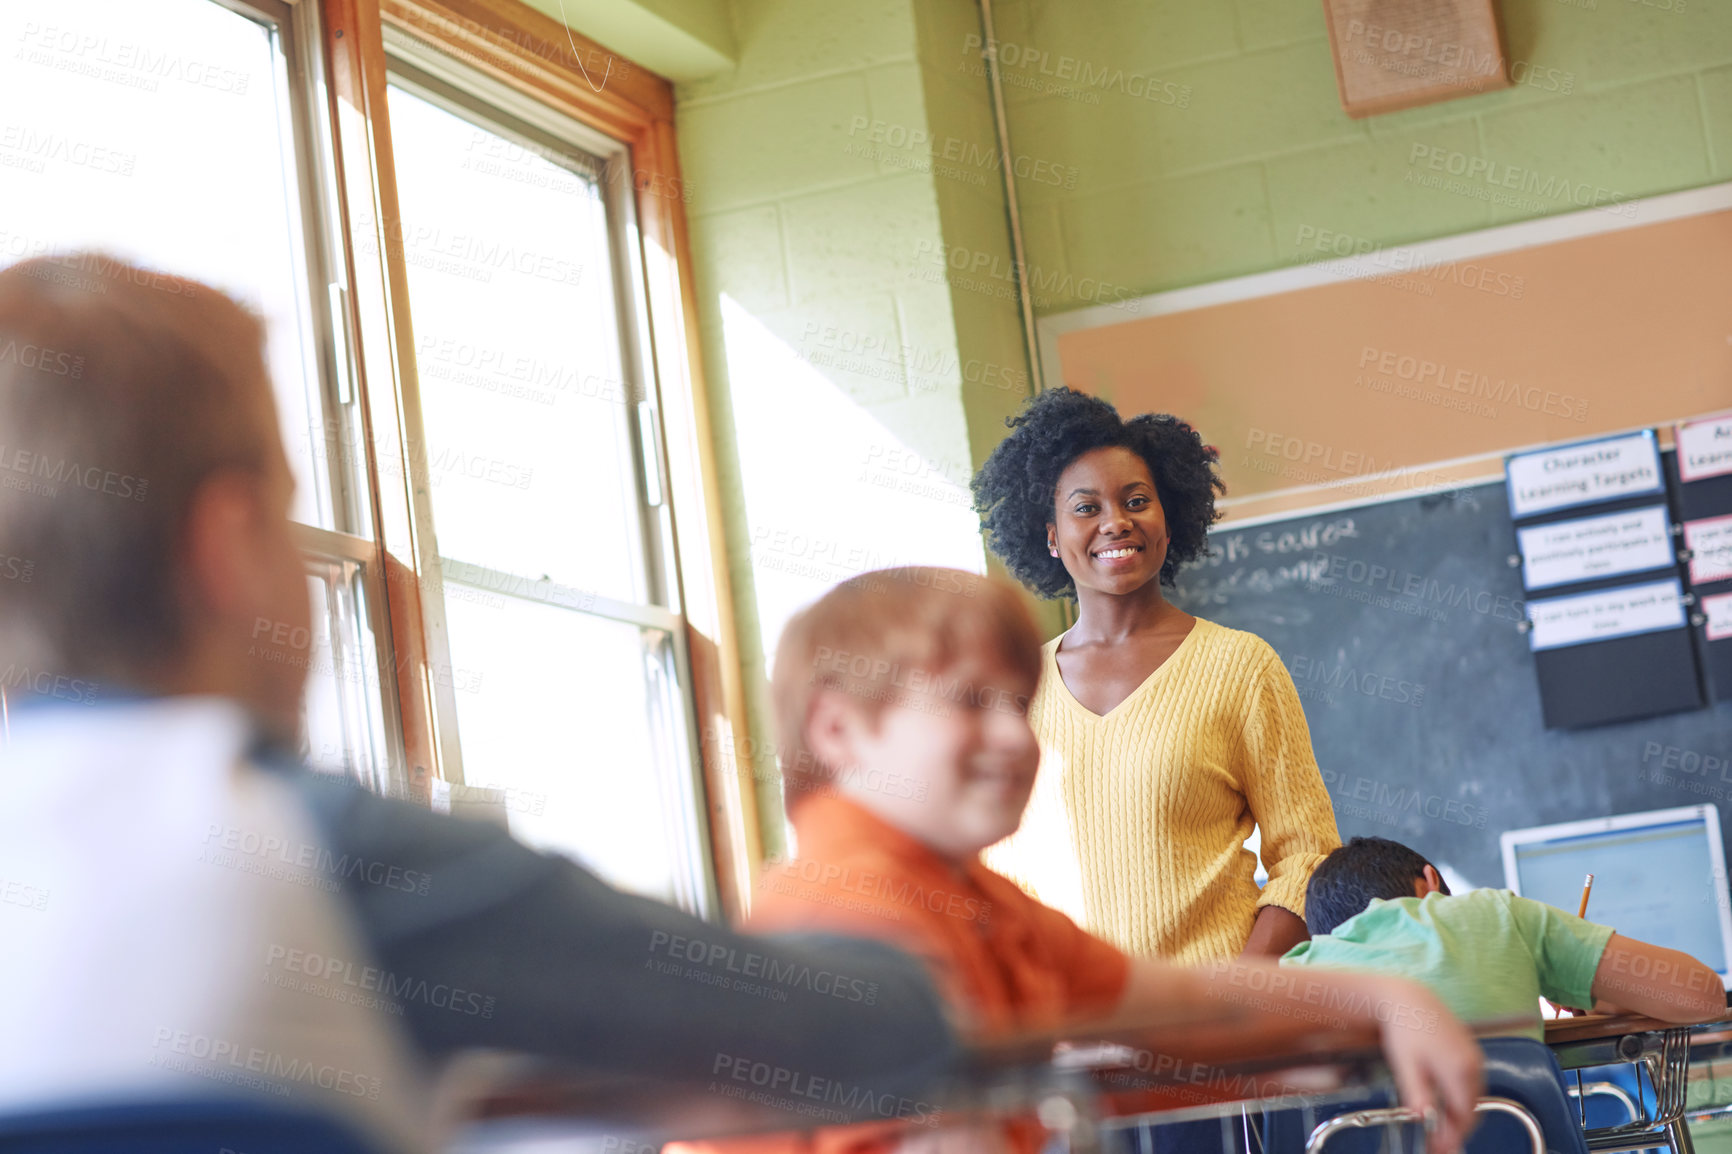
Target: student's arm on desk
x,y
1673,986
1435,1060
568,967
1580,961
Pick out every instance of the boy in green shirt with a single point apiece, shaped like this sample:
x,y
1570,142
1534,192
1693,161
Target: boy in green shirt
x,y
1377,905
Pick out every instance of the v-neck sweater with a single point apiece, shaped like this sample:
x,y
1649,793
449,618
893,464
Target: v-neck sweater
x,y
1139,818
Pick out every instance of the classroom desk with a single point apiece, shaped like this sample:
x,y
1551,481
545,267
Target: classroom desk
x,y
1194,1063
1202,1062
1709,1087
1663,1049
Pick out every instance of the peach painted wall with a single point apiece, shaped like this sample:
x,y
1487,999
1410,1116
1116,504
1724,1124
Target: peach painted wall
x,y
1327,384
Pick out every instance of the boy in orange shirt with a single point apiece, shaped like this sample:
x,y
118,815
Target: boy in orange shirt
x,y
901,698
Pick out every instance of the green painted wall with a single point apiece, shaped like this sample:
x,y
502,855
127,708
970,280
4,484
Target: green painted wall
x,y
859,326
1236,157
853,382
678,39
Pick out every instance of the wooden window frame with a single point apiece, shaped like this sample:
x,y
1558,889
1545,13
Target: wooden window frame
x,y
540,59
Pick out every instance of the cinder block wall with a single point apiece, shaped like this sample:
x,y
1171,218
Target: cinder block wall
x,y
856,388
859,325
1211,141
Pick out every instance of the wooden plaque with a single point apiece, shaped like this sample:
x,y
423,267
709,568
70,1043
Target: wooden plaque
x,y
1392,54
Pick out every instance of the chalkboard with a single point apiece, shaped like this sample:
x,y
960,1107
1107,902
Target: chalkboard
x,y
1399,623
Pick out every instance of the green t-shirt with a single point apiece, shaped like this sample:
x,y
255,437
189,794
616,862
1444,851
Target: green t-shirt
x,y
1486,953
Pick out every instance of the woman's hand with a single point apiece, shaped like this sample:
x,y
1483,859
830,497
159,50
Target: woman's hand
x,y
1438,1067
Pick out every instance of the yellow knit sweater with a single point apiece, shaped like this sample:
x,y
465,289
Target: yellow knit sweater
x,y
1139,818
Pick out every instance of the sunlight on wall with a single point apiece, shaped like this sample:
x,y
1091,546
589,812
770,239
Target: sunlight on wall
x,y
830,491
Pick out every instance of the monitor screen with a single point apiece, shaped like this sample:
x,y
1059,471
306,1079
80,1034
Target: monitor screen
x,y
1660,883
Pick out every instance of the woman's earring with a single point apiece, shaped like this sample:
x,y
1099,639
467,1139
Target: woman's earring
x,y
1053,549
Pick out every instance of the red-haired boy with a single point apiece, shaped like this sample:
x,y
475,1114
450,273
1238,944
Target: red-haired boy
x,y
901,701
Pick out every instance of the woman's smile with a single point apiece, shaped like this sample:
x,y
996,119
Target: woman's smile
x,y
1124,553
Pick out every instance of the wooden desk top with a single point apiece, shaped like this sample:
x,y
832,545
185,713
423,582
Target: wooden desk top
x,y
1201,1055
1594,1027
1219,1033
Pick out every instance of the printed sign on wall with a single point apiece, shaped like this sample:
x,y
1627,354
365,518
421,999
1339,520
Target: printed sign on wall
x,y
1565,552
1704,448
1610,613
1718,609
1582,474
1710,543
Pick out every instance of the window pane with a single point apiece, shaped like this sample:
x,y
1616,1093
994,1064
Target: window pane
x,y
327,747
344,728
561,710
518,353
158,131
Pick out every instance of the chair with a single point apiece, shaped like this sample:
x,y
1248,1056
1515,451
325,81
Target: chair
x,y
1605,1101
1615,1102
1525,1107
1536,1142
174,1126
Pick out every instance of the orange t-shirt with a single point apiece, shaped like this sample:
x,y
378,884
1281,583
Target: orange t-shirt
x,y
1003,961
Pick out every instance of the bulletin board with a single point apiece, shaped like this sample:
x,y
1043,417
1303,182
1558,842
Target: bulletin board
x,y
1426,362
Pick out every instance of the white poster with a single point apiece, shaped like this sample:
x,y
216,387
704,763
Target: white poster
x,y
1719,611
1610,613
1710,543
1704,448
1581,474
1593,547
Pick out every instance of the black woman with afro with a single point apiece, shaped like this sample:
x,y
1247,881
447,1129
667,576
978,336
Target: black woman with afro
x,y
1166,739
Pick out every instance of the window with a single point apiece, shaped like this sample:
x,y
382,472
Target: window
x,y
180,135
485,493
541,451
118,153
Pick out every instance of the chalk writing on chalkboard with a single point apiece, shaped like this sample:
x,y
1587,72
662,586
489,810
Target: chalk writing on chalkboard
x,y
1280,540
1295,555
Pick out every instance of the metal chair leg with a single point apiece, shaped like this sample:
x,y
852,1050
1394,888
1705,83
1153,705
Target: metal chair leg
x,y
1678,1136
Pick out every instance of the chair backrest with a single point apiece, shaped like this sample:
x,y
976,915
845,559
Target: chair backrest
x,y
1526,1071
207,1126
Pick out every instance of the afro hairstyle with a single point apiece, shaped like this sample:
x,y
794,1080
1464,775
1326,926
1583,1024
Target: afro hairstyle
x,y
1014,491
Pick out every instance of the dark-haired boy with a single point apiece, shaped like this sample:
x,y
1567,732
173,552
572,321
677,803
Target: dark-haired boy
x,y
1377,905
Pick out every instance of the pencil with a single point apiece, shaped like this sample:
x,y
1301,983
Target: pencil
x,y
1587,888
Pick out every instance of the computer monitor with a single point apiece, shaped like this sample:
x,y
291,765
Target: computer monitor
x,y
1658,876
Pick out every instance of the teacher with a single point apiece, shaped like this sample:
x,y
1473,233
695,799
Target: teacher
x,y
1165,739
